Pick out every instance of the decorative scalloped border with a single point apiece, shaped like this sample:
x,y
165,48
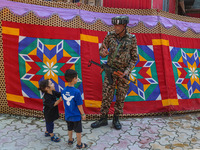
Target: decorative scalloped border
x,y
90,17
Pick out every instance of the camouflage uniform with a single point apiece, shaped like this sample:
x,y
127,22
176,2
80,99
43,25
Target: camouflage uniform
x,y
125,60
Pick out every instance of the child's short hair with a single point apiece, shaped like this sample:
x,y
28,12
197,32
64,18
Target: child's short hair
x,y
43,84
70,75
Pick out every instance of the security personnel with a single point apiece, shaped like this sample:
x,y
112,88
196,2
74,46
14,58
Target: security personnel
x,y
122,55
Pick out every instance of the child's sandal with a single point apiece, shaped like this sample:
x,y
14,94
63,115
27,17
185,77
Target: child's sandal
x,y
71,142
83,145
46,134
55,138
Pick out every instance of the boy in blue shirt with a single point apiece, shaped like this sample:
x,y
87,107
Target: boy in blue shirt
x,y
73,108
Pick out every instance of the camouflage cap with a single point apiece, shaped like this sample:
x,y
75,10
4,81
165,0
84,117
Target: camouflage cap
x,y
120,20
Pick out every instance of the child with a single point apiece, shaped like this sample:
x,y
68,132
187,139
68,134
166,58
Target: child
x,y
50,107
73,108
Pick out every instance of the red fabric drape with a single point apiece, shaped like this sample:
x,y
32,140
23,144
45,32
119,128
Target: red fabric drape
x,y
139,4
162,61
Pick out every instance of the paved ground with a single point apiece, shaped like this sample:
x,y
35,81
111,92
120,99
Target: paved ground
x,y
178,132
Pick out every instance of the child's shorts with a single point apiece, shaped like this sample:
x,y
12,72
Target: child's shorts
x,y
76,126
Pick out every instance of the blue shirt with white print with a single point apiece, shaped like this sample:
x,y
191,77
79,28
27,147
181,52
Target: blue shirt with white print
x,y
71,99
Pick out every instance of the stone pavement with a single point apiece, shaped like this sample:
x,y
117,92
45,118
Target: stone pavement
x,y
178,132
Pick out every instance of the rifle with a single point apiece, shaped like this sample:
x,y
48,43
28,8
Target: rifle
x,y
110,71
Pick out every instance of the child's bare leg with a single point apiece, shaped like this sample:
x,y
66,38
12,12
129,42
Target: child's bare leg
x,y
70,135
78,135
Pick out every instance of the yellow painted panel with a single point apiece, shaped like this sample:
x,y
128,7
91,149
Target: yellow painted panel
x,y
89,38
92,103
165,103
15,98
174,101
156,41
10,31
169,102
165,42
160,42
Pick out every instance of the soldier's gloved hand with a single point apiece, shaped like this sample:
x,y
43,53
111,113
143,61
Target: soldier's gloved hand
x,y
124,74
105,50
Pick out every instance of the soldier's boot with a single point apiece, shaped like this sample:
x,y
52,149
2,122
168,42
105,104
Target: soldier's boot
x,y
103,121
116,123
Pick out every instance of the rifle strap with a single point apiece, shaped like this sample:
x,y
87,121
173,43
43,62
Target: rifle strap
x,y
115,53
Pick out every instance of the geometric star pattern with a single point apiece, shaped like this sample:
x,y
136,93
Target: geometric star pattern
x,y
186,68
41,59
146,87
